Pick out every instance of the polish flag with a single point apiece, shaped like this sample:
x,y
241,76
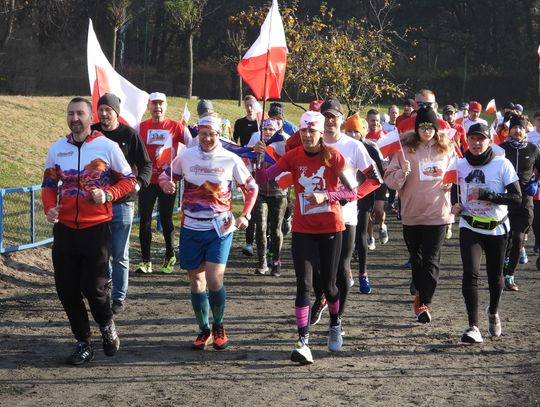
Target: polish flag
x,y
369,180
284,180
491,107
104,79
185,115
450,176
263,65
451,134
167,153
389,143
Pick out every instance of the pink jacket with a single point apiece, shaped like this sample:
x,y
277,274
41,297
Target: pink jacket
x,y
424,200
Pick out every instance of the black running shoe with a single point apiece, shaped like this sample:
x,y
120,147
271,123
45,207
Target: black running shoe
x,y
111,341
317,310
117,306
84,353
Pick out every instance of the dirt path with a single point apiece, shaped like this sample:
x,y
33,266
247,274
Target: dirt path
x,y
387,358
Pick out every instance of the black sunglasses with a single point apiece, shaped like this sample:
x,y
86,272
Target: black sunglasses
x,y
424,104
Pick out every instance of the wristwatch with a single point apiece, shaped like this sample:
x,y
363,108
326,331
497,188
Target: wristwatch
x,y
108,197
247,216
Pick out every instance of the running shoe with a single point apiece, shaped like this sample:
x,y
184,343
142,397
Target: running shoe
x,y
351,281
145,267
301,353
117,306
335,340
448,234
203,339
220,337
84,353
365,287
424,315
263,267
523,258
168,265
286,226
536,248
383,234
317,310
276,268
247,250
111,341
371,243
509,284
494,324
407,264
472,335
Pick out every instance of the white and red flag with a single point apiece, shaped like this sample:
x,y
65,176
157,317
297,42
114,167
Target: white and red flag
x,y
389,143
186,115
263,65
491,106
450,176
104,79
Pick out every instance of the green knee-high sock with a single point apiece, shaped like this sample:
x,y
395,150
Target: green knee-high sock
x,y
199,302
217,303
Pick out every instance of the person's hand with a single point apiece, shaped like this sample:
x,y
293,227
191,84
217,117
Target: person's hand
x,y
169,187
406,167
316,198
456,209
241,223
260,147
52,214
98,196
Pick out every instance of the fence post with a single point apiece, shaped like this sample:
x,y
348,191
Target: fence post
x,y
2,218
32,217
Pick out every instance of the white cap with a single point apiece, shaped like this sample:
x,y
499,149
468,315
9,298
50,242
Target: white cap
x,y
157,96
210,121
314,120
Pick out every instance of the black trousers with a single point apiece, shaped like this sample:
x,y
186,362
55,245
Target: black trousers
x,y
424,243
520,223
147,200
472,245
312,251
81,268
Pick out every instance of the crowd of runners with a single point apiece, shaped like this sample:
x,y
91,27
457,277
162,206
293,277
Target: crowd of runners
x,y
329,181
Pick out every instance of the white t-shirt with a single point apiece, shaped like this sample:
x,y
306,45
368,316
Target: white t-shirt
x,y
534,137
387,127
468,123
492,177
207,183
357,158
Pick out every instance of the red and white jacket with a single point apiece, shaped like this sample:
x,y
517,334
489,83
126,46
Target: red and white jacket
x,y
97,163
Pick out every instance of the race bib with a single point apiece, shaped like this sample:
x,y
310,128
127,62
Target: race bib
x,y
307,208
430,171
157,137
224,223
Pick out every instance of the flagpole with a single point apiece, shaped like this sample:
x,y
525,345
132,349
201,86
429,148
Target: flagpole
x,y
259,157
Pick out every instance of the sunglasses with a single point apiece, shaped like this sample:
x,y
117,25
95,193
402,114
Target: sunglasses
x,y
424,104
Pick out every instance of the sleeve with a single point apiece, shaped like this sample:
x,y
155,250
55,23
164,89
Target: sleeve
x,y
509,174
142,161
394,177
175,169
247,185
49,184
236,135
188,138
121,172
362,158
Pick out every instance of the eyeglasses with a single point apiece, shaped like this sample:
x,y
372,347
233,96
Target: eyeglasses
x,y
424,104
426,128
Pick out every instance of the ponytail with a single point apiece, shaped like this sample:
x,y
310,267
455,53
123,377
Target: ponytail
x,y
326,154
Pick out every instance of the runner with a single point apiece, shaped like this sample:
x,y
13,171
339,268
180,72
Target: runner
x,y
487,183
417,174
206,233
317,224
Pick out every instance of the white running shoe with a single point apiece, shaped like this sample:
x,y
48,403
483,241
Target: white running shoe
x,y
472,335
301,353
494,324
335,340
371,243
383,234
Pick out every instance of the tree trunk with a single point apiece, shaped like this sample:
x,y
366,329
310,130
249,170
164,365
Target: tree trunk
x,y
113,58
9,26
190,65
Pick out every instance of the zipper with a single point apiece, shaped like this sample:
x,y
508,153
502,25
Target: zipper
x,y
78,185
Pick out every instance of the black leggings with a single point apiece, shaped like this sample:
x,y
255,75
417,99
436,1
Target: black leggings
x,y
81,268
520,223
308,252
147,200
536,223
472,244
424,243
344,265
361,239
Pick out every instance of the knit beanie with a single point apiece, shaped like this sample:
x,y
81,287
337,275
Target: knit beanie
x,y
204,106
110,100
355,123
517,120
426,117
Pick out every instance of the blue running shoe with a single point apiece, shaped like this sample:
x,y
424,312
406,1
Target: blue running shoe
x,y
365,288
523,258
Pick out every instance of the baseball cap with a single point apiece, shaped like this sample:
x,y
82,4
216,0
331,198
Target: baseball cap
x,y
449,109
331,105
475,106
157,96
479,128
